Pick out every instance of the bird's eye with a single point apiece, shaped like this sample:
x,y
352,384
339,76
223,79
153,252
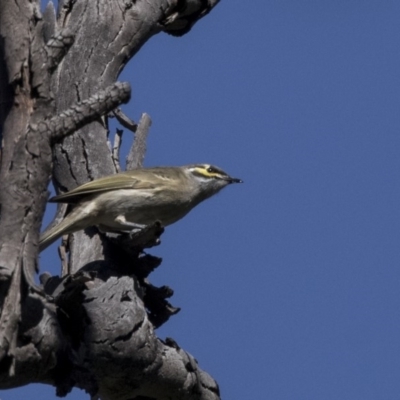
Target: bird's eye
x,y
210,170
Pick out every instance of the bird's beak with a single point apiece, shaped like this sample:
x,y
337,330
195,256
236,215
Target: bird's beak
x,y
234,180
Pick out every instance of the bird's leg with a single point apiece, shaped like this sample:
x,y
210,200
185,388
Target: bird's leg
x,y
128,226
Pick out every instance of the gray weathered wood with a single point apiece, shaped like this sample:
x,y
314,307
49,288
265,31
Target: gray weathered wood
x,y
137,152
93,327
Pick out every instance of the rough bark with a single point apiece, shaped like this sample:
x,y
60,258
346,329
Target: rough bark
x,y
92,328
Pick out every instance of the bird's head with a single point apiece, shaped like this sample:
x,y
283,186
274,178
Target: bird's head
x,y
209,178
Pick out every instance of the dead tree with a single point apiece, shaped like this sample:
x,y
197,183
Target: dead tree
x,y
92,327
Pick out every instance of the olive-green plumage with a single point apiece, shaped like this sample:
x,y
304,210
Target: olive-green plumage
x,y
131,200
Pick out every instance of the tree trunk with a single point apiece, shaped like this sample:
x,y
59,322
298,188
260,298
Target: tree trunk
x,y
93,328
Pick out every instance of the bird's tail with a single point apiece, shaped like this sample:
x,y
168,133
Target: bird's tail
x,y
66,226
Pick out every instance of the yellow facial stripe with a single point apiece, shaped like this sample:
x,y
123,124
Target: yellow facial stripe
x,y
204,171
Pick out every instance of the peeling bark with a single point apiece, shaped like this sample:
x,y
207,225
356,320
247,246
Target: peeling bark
x,y
93,327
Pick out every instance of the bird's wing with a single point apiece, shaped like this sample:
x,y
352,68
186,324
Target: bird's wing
x,y
107,183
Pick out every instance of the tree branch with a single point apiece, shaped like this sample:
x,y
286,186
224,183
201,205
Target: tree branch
x,y
85,112
57,46
116,149
124,120
137,152
184,14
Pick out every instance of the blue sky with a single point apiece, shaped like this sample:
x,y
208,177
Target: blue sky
x,y
289,283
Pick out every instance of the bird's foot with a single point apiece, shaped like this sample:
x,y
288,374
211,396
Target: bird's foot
x,y
136,230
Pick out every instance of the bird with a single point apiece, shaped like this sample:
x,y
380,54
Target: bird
x,y
131,200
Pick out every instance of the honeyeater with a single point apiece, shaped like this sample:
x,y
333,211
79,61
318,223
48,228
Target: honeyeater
x,y
130,200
